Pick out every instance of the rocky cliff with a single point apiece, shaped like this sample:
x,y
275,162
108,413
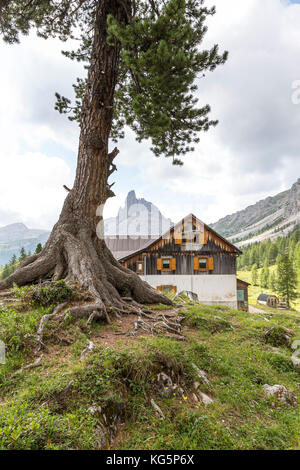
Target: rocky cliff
x,y
268,218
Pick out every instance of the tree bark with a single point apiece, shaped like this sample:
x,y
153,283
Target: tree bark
x,y
76,250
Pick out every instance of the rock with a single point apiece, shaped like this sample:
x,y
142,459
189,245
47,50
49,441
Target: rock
x,y
94,410
165,385
295,359
281,393
201,374
190,295
296,363
196,385
90,347
157,408
205,399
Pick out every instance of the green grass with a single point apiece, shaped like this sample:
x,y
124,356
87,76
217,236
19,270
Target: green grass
x,y
254,291
48,407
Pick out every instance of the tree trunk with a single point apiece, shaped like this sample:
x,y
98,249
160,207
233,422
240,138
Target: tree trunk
x,y
76,250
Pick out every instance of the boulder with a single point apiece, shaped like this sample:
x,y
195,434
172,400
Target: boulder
x,y
201,375
205,399
281,393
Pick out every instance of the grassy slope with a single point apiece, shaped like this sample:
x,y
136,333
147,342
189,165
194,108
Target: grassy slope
x,y
254,291
40,411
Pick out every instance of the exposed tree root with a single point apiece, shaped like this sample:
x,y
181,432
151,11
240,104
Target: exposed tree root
x,y
72,253
43,322
160,324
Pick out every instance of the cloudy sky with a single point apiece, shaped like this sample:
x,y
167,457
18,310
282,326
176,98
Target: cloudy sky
x,y
253,153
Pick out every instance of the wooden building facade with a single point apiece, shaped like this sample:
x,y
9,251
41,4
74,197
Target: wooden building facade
x,y
191,256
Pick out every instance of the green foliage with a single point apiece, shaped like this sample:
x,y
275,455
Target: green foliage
x,y
160,50
214,324
281,363
53,293
254,275
269,252
277,336
38,248
25,428
48,408
161,58
17,329
287,279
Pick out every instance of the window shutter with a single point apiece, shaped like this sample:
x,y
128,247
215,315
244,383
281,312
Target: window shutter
x,y
159,264
173,264
210,264
205,237
196,264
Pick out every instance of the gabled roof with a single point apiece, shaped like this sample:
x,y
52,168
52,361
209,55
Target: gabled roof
x,y
125,245
151,242
265,297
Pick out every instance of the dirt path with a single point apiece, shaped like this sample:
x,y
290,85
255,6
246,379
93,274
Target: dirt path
x,y
255,310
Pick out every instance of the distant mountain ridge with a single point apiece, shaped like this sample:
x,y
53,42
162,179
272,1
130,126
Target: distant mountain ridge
x,y
15,236
138,217
269,218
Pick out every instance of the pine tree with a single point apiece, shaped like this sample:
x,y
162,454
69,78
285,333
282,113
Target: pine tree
x,y
287,279
38,248
22,254
143,59
273,282
13,260
297,255
254,275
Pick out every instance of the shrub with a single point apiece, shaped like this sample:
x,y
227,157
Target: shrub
x,y
17,329
280,363
277,336
52,293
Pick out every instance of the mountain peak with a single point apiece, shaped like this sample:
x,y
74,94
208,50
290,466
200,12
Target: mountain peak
x,y
139,217
16,225
131,198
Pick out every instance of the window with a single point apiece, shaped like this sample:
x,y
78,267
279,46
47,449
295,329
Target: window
x,y
140,267
166,264
167,288
240,295
203,264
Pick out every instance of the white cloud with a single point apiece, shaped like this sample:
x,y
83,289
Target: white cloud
x,y
32,188
253,152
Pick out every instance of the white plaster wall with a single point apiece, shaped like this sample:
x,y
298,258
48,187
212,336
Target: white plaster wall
x,y
211,289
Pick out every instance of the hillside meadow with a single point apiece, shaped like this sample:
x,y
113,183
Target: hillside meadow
x,y
254,291
110,397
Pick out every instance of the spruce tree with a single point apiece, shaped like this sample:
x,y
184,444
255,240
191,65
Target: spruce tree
x,y
254,275
22,254
287,279
38,248
143,58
